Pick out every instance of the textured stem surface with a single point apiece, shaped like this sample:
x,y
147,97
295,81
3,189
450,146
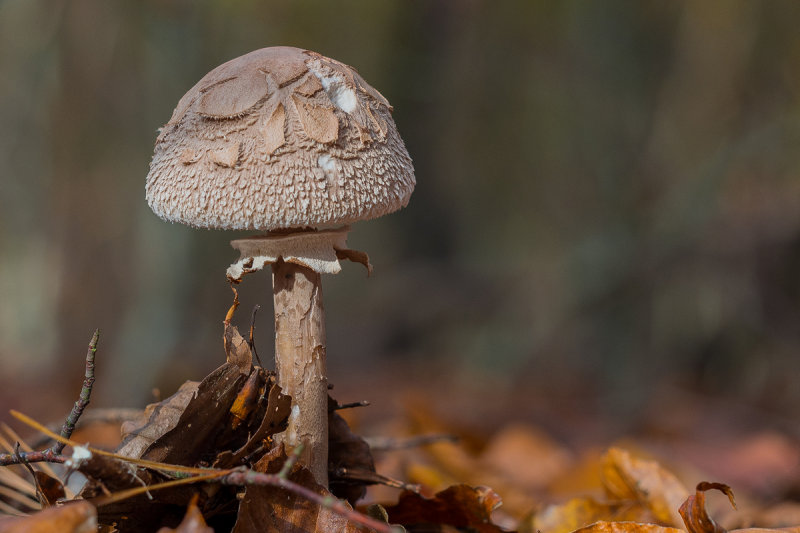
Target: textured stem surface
x,y
300,362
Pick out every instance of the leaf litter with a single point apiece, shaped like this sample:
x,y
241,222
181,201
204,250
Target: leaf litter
x,y
189,464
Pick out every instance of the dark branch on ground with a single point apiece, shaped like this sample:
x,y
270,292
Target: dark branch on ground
x,y
83,399
384,444
245,477
340,406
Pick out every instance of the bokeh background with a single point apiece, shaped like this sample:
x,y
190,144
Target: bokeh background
x,y
607,208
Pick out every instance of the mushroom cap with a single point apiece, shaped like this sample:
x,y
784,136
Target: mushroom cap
x,y
279,138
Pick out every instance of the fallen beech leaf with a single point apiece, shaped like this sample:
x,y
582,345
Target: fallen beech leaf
x,y
50,489
237,349
459,506
580,512
429,477
273,509
347,452
628,478
77,517
693,510
274,420
626,527
193,522
107,474
525,456
778,516
247,399
156,420
203,421
202,430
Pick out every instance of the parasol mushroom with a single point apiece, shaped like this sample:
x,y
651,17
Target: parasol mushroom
x,y
293,143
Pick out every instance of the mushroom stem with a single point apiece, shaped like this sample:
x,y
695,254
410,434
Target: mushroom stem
x,y
300,361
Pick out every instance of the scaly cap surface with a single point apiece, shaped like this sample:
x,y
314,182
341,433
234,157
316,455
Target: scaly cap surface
x,y
279,138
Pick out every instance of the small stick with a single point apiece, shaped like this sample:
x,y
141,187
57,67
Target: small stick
x,y
252,341
83,399
24,445
46,456
385,444
39,492
339,406
175,470
251,477
98,415
53,453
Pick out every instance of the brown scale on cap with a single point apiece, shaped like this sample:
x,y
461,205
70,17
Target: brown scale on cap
x,y
279,138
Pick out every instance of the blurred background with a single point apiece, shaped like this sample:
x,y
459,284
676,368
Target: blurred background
x,y
607,208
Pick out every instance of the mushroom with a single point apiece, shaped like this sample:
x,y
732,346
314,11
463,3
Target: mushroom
x,y
293,143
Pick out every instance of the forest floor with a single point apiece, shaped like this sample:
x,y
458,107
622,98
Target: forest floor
x,y
423,456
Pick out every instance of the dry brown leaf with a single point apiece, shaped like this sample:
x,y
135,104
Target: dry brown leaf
x,y
459,506
201,423
237,349
580,512
77,517
49,488
693,510
273,509
203,429
274,420
348,455
525,456
247,399
156,420
784,514
108,474
626,527
193,522
629,478
444,463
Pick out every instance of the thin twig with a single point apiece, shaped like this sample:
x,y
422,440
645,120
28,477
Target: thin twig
x,y
174,470
252,341
369,477
340,406
250,477
98,415
53,453
83,399
45,456
385,444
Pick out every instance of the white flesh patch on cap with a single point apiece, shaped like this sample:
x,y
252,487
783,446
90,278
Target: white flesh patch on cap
x,y
337,90
326,163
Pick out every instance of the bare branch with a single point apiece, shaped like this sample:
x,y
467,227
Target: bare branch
x,y
243,477
53,453
46,456
83,399
384,444
252,341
